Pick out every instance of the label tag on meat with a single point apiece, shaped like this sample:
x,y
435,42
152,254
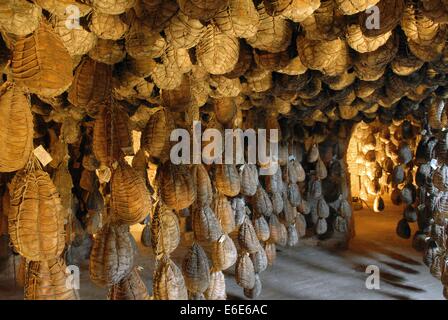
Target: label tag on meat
x,y
42,155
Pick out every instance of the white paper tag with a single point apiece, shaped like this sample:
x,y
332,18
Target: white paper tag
x,y
42,155
242,167
433,164
291,157
222,238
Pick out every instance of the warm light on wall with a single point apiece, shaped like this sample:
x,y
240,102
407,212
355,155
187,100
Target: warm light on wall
x,y
373,152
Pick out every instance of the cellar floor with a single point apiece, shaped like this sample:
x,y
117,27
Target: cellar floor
x,y
317,272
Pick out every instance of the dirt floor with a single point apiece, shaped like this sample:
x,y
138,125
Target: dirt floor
x,y
316,272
